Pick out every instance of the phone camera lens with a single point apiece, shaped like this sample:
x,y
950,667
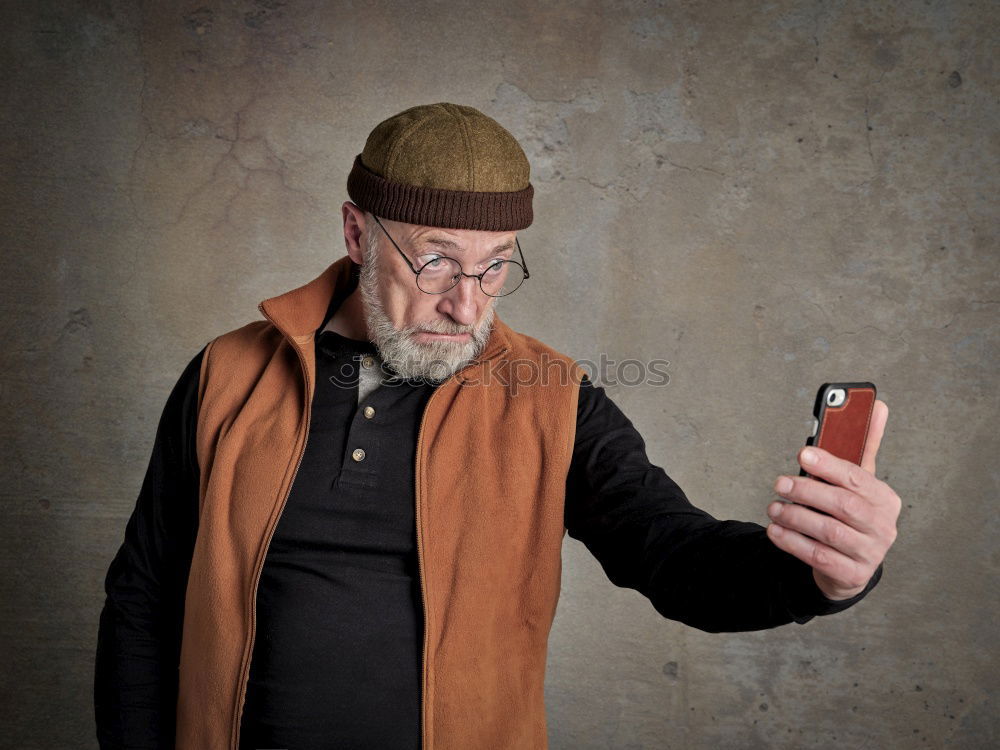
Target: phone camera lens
x,y
836,397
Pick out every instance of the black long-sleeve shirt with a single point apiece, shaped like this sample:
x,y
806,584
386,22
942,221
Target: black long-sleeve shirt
x,y
335,553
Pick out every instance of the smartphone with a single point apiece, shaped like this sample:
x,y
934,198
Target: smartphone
x,y
841,417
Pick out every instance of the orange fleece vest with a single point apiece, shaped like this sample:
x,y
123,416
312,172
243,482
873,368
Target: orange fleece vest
x,y
493,453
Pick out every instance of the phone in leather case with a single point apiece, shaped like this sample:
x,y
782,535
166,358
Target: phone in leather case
x,y
842,414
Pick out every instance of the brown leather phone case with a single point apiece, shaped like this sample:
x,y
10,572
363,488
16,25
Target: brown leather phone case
x,y
842,428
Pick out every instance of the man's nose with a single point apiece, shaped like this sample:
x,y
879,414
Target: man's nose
x,y
463,300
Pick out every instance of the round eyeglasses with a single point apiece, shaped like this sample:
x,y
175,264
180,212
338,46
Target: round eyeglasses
x,y
442,273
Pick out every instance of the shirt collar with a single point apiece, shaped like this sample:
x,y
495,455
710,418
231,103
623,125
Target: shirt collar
x,y
334,345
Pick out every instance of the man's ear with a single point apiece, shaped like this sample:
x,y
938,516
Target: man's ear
x,y
355,231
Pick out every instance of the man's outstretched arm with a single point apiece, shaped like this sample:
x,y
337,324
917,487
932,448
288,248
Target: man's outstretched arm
x,y
138,644
713,575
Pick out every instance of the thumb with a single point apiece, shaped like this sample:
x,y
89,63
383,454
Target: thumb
x,y
876,428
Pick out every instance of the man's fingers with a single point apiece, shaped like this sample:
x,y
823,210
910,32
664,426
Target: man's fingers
x,y
876,428
823,464
826,529
844,505
847,572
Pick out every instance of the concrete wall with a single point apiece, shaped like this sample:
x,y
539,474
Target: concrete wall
x,y
768,195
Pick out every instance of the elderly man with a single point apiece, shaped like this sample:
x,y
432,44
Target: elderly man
x,y
349,533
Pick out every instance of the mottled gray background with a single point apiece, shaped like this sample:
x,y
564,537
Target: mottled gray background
x,y
768,195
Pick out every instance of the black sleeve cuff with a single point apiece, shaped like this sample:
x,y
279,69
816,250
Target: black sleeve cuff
x,y
806,600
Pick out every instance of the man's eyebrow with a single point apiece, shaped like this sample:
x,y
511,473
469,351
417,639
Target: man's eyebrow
x,y
452,245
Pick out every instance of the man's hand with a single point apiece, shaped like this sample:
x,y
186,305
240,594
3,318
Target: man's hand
x,y
845,547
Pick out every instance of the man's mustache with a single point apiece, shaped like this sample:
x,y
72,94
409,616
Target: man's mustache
x,y
440,326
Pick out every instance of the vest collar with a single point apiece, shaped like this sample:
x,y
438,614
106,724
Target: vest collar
x,y
300,312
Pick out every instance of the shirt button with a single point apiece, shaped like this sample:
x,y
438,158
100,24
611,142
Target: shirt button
x,y
358,454
368,363
369,412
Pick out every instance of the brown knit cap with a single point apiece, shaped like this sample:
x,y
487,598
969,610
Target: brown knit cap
x,y
444,165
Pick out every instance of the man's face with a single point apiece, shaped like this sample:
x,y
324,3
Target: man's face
x,y
421,335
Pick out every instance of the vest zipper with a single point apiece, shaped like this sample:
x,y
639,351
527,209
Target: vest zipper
x,y
245,672
420,573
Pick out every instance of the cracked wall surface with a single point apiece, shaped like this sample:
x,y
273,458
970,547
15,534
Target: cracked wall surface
x,y
766,195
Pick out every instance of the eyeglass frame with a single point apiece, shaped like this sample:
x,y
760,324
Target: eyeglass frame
x,y
523,265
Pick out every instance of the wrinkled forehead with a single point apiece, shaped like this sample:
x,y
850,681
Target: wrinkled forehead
x,y
447,239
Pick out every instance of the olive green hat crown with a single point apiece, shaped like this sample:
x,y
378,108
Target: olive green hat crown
x,y
444,165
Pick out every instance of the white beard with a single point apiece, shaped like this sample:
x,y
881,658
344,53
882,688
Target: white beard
x,y
410,359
